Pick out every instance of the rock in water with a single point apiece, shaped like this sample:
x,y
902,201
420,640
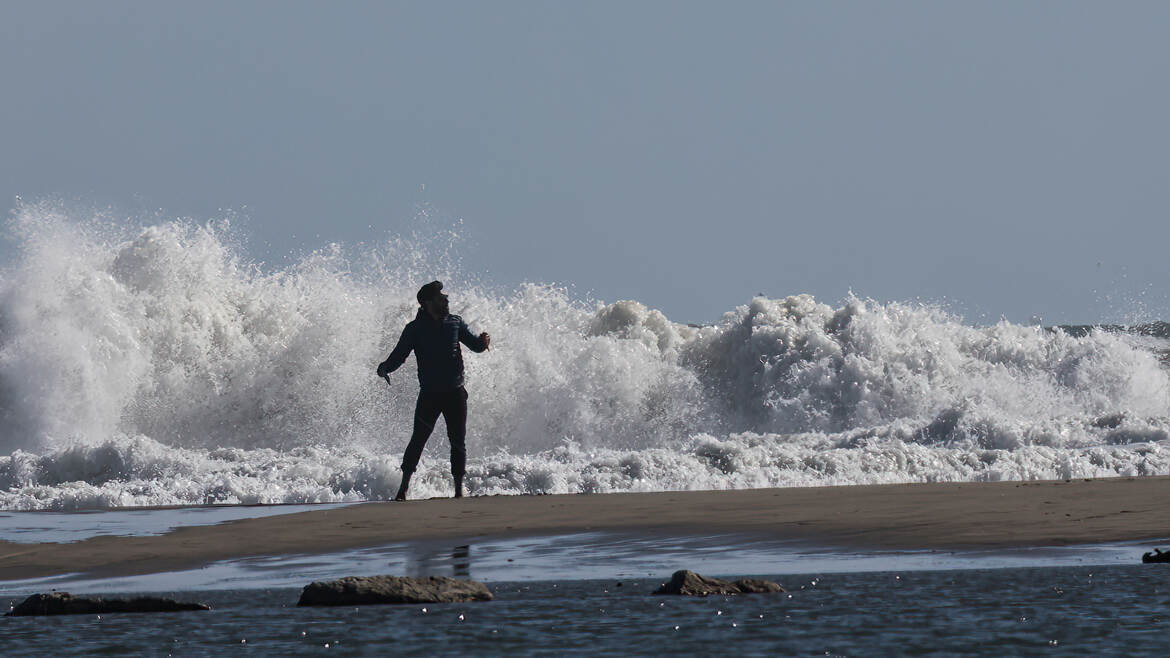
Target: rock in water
x,y
1158,556
64,603
393,589
757,586
689,583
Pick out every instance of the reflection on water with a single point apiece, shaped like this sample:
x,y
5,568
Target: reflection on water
x,y
461,560
619,556
430,560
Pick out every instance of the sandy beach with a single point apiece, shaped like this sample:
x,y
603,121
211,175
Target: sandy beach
x,y
900,516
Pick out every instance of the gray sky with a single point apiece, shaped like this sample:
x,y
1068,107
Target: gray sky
x,y
1012,158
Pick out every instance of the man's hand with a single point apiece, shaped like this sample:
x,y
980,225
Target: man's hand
x,y
487,340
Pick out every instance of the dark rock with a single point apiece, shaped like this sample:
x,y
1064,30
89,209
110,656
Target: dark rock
x,y
1156,557
689,583
1111,422
757,586
64,603
393,589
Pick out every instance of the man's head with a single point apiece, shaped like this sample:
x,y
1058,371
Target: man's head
x,y
431,298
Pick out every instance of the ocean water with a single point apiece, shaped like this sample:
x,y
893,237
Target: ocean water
x,y
590,593
1113,610
66,527
146,364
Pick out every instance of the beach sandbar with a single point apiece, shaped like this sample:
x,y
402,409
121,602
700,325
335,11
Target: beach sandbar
x,y
895,516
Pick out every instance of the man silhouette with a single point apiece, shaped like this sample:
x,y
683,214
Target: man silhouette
x,y
434,335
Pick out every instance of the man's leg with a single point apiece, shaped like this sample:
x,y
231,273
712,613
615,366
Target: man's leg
x,y
426,412
455,414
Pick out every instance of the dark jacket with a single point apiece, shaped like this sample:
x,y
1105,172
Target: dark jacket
x,y
436,348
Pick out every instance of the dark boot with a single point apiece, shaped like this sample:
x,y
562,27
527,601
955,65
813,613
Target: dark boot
x,y
458,486
401,495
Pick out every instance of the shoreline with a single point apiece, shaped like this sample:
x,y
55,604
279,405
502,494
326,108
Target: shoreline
x,y
938,516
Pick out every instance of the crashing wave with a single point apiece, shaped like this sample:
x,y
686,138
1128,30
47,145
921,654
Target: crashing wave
x,y
158,365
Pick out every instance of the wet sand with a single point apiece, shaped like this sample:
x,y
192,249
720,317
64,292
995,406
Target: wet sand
x,y
897,516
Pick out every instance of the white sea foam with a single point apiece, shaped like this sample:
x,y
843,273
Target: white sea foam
x,y
156,365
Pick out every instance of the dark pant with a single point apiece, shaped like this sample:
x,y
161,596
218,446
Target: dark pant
x,y
453,406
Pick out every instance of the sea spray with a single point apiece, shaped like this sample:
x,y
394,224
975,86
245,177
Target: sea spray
x,y
157,364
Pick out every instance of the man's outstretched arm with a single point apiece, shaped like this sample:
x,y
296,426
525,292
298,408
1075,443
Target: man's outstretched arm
x,y
474,343
398,356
